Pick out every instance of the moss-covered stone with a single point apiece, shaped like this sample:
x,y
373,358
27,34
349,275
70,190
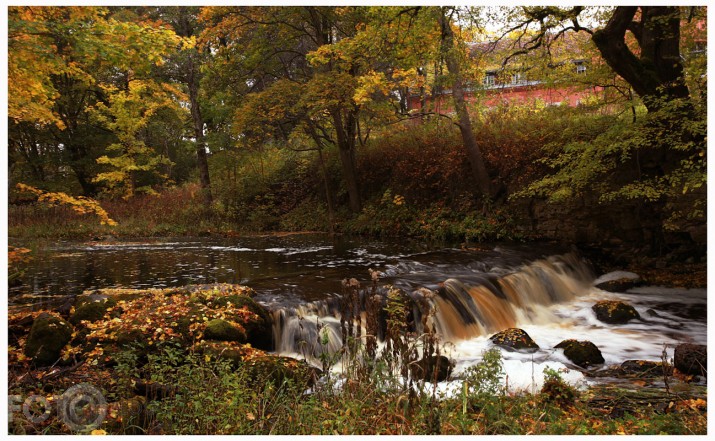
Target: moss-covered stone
x,y
514,339
48,335
615,312
91,310
581,353
277,369
222,330
259,332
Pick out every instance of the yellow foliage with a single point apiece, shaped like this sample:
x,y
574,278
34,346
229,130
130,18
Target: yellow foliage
x,y
79,204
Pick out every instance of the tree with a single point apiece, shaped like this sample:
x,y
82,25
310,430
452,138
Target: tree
x,y
650,62
126,114
185,66
474,154
658,162
59,59
264,45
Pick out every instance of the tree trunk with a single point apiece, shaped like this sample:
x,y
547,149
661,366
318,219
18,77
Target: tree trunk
x,y
479,170
201,158
328,194
346,146
657,75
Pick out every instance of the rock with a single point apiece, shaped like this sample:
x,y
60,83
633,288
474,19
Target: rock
x,y
48,335
644,368
581,353
618,281
514,339
432,368
691,359
65,306
259,332
615,312
91,308
222,330
278,369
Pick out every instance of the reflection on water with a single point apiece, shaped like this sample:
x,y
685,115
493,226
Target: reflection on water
x,y
284,270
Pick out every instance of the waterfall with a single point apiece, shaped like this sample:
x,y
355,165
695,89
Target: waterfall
x,y
458,310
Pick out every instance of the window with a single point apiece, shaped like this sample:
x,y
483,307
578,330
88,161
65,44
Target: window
x,y
517,78
580,67
490,79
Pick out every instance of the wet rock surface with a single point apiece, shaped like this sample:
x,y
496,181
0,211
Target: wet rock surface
x,y
615,312
582,353
514,339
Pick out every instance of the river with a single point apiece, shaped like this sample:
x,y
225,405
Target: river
x,y
550,291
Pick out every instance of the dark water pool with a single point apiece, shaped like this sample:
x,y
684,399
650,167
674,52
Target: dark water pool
x,y
284,270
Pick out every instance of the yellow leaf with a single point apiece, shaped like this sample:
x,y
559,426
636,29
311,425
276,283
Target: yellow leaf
x,y
98,432
250,416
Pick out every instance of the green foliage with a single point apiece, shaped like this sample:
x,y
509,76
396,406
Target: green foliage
x,y
557,390
485,378
657,159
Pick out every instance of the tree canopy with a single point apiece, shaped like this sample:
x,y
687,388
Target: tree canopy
x,y
116,101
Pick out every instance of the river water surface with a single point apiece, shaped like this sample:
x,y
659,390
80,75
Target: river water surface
x,y
547,295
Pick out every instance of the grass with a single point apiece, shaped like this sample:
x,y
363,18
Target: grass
x,y
214,398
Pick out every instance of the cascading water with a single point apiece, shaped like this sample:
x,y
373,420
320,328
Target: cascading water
x,y
460,310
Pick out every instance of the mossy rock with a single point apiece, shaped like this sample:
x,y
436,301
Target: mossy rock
x,y
184,322
691,359
222,330
91,310
514,339
432,368
259,331
278,370
48,335
615,312
581,353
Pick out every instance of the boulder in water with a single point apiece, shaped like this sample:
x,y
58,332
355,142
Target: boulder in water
x,y
432,368
48,335
581,353
618,281
691,359
615,312
514,339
